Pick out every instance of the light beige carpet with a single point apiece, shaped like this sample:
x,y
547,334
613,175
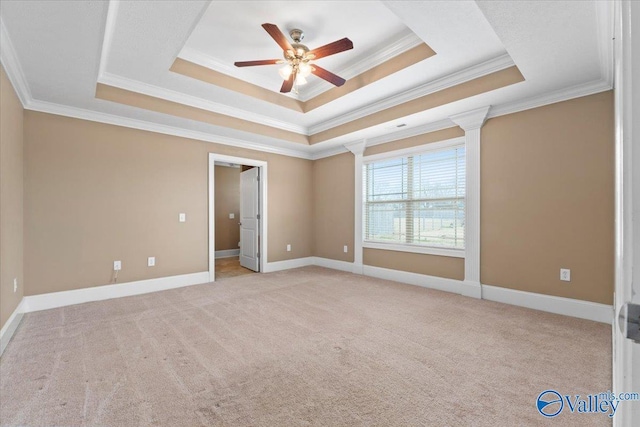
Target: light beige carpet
x,y
310,346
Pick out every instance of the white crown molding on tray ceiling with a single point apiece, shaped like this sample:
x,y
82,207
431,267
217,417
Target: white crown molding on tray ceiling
x,y
402,43
109,29
604,26
479,70
100,117
12,66
17,78
194,101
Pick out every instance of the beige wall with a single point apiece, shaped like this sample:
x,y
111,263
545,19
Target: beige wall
x,y
547,199
11,197
95,193
432,265
227,200
427,138
334,206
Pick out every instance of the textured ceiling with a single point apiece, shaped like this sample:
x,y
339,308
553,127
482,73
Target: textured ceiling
x,y
58,51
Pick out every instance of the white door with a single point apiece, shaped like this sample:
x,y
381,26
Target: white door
x,y
250,219
626,352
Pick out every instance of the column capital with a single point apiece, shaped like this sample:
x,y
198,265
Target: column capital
x,y
471,120
356,147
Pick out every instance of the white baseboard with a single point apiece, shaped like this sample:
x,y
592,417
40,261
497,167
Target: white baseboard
x,y
99,293
227,253
270,267
10,327
432,282
333,264
567,306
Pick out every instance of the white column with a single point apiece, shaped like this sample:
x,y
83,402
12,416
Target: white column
x,y
357,148
471,122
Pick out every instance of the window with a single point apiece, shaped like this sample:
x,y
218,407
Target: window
x,y
417,201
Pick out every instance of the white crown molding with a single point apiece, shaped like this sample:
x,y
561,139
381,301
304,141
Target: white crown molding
x,y
402,43
109,30
193,101
321,154
207,61
357,147
470,120
605,29
411,132
95,116
12,66
567,306
565,94
313,152
491,66
383,139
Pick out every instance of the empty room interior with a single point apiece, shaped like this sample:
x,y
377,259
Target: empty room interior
x,y
275,213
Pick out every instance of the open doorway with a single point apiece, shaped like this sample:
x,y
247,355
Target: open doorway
x,y
237,216
231,204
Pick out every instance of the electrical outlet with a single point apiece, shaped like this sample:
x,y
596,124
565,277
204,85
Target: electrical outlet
x,y
289,247
346,249
15,285
182,217
151,261
565,274
117,265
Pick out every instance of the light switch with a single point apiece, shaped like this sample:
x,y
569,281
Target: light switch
x,y
182,217
232,215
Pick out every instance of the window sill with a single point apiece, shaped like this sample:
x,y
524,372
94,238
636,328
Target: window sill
x,y
428,250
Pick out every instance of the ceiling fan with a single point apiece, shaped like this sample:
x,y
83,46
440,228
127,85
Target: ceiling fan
x,y
297,58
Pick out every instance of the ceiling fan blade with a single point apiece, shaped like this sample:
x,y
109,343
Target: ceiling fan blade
x,y
328,76
277,35
254,63
287,85
332,48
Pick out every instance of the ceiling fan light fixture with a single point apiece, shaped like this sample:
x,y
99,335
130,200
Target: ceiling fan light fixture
x,y
285,71
297,58
305,69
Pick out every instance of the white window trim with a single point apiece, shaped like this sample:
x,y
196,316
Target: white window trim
x,y
405,152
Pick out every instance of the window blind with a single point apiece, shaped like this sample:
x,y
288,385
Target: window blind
x,y
416,200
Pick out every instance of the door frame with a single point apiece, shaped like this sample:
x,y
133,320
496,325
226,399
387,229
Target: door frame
x,y
625,377
262,222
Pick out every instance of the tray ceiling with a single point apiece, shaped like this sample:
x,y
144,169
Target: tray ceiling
x,y
168,65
